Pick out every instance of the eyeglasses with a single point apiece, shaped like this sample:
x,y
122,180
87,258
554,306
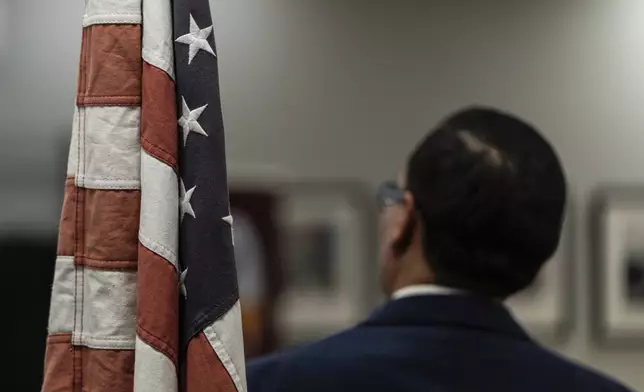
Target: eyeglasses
x,y
389,193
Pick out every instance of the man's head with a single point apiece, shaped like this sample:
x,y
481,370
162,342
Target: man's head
x,y
480,207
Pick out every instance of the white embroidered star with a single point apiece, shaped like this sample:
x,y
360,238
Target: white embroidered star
x,y
186,207
197,39
188,120
182,283
229,219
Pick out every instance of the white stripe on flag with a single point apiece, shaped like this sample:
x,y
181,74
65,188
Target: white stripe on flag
x,y
153,371
61,311
105,309
72,161
112,12
158,45
224,335
159,225
109,155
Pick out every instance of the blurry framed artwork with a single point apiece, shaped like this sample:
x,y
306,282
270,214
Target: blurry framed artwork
x,y
325,247
618,266
545,308
327,258
256,236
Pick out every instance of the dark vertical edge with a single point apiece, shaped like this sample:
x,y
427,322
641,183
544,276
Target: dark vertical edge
x,y
597,286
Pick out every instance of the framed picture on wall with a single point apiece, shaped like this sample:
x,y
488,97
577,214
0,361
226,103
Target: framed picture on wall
x,y
326,254
546,308
327,257
617,284
256,236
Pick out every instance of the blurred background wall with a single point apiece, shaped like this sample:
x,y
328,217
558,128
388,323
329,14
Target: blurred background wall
x,y
339,88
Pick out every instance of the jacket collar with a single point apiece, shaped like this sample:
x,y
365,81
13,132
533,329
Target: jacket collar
x,y
423,289
466,311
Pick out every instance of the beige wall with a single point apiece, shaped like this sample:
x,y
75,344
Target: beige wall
x,y
346,87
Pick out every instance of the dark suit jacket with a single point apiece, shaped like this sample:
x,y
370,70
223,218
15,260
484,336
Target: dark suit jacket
x,y
433,343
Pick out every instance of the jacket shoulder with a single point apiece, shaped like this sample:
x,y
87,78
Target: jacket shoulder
x,y
368,358
307,367
574,373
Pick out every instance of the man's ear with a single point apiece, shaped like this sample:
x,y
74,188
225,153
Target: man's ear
x,y
410,202
404,225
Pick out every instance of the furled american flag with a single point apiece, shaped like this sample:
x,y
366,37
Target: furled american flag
x,y
145,294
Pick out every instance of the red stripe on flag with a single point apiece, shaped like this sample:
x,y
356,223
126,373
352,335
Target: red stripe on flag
x,y
110,66
159,116
107,370
59,375
85,369
66,229
107,228
158,303
204,372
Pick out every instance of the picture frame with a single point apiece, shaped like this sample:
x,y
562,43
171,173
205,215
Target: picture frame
x,y
327,255
256,237
327,293
617,273
546,308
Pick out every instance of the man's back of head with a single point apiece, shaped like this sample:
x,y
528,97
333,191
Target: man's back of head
x,y
490,192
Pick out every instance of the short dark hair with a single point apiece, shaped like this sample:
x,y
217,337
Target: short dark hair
x,y
491,194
